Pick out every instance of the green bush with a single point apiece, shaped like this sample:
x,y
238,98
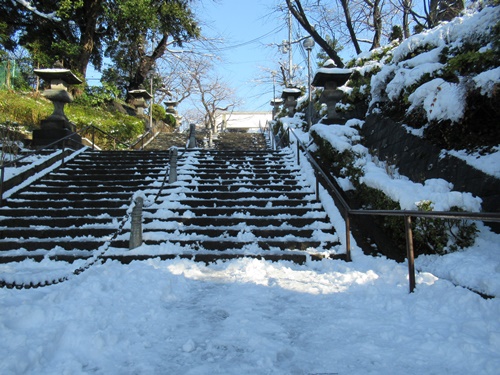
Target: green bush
x,y
158,112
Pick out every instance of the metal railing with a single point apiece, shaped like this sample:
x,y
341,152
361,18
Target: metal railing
x,y
347,211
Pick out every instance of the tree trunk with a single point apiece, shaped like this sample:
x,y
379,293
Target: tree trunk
x,y
91,10
350,28
146,63
299,14
377,24
406,14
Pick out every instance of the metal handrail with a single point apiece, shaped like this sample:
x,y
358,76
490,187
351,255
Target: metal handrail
x,y
406,214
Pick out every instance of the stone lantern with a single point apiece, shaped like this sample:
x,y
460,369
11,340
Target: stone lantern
x,y
330,77
171,105
290,95
171,109
139,98
276,103
57,125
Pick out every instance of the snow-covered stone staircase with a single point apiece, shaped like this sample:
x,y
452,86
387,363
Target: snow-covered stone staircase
x,y
72,211
234,203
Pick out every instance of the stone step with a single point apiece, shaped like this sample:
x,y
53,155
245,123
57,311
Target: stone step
x,y
52,222
61,204
296,257
42,213
61,234
234,234
69,257
226,182
270,176
97,189
249,211
246,203
241,187
36,195
221,245
222,221
45,244
77,177
251,194
126,184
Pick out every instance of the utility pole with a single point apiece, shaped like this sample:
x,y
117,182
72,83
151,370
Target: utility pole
x,y
290,69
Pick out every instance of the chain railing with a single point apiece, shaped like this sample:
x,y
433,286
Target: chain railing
x,y
347,212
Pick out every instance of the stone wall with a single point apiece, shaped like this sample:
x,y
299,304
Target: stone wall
x,y
420,160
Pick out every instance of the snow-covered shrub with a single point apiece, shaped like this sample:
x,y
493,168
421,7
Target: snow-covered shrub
x,y
375,185
445,80
443,235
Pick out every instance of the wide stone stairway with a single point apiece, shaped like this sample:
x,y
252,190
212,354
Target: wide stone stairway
x,y
234,203
224,204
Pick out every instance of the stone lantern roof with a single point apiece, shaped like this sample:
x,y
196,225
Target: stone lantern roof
x,y
330,73
291,91
140,94
57,74
276,101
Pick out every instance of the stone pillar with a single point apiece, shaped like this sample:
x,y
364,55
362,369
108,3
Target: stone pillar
x,y
192,136
136,224
172,176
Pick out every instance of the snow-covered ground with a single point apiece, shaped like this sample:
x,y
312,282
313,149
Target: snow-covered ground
x,y
252,316
249,317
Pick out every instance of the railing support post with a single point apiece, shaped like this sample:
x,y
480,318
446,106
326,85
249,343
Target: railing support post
x,y
2,177
347,238
410,253
172,175
136,224
93,138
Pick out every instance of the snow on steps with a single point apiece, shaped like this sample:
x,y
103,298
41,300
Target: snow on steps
x,y
230,204
225,204
72,211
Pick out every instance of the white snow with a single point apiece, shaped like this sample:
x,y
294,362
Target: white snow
x,y
251,316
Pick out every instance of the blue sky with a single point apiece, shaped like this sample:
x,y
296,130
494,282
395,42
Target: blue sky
x,y
248,27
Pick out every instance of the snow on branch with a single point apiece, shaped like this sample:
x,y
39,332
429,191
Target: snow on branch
x,y
28,5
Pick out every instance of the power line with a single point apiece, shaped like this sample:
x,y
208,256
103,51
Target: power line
x,y
277,29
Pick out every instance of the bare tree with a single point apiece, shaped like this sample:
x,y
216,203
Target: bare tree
x,y
350,21
300,15
436,11
209,93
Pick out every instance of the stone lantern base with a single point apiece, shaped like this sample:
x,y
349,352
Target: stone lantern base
x,y
44,137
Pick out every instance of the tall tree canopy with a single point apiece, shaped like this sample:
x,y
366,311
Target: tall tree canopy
x,y
77,32
144,30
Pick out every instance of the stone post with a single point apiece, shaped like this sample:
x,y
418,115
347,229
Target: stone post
x,y
136,224
192,136
172,176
